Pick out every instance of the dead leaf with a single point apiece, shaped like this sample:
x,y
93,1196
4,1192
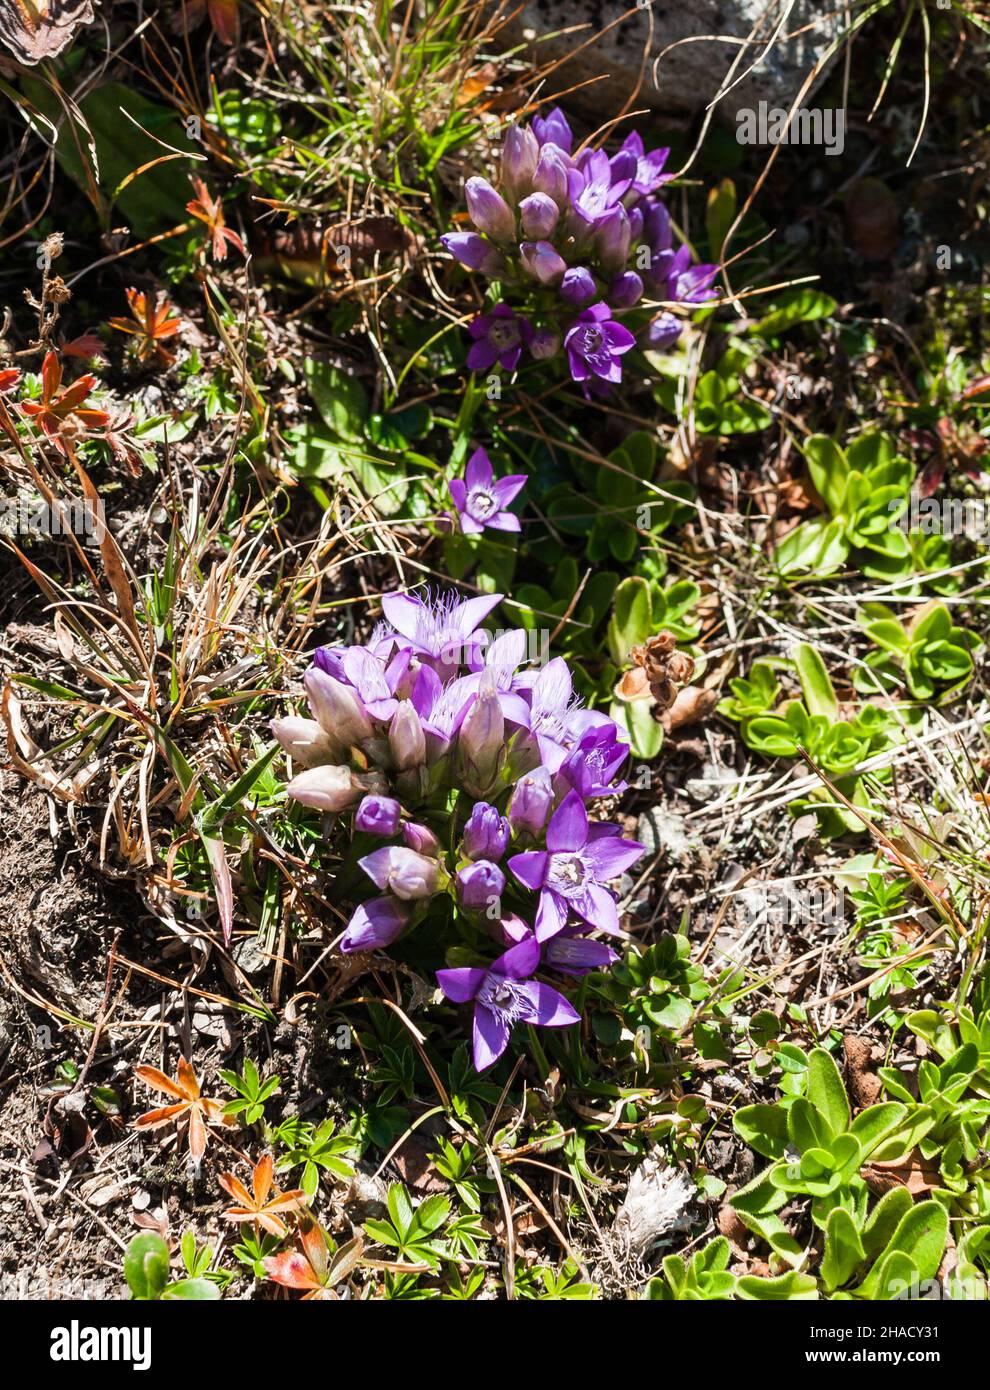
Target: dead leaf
x,y
691,705
36,29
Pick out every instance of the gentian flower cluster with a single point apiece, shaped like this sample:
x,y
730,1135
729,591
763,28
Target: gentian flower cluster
x,y
579,247
463,773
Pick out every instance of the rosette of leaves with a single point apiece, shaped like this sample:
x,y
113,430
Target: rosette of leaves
x,y
148,1274
865,491
706,1278
931,654
619,507
817,1151
653,992
814,723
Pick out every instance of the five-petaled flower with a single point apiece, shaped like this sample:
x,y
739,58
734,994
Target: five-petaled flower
x,y
259,1205
195,1109
52,413
152,320
210,210
504,995
481,501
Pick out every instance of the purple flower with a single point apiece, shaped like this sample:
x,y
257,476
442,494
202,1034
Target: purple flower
x,y
480,886
489,211
544,343
594,760
337,708
370,678
481,740
519,155
553,129
480,501
504,995
378,815
552,705
406,739
594,344
440,628
474,252
486,833
612,240
542,261
663,331
551,175
375,924
625,290
539,215
330,789
421,838
648,172
402,871
578,286
530,804
498,337
574,954
592,192
572,872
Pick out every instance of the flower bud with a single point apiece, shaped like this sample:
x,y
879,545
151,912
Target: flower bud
x,y
481,741
576,955
538,214
530,804
474,252
489,211
663,332
328,788
480,886
421,839
406,739
612,240
551,175
625,290
305,741
486,833
542,261
375,924
519,155
402,871
337,708
578,286
378,815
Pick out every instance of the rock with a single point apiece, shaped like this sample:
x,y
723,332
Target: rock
x,y
689,75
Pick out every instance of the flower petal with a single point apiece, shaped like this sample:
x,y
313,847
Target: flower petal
x,y
461,984
489,1039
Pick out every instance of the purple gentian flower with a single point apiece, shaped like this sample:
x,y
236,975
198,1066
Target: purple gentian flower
x,y
440,628
498,337
578,286
612,239
648,174
552,707
530,803
375,924
625,290
553,129
592,192
480,886
541,260
486,833
519,155
504,995
592,763
539,215
544,343
663,332
572,871
574,954
474,252
480,501
489,211
378,815
595,343
551,175
402,871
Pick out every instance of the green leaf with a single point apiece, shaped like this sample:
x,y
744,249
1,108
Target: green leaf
x,y
826,1091
191,1290
791,1285
632,618
763,1128
829,470
645,733
844,1251
146,1266
819,694
795,306
340,399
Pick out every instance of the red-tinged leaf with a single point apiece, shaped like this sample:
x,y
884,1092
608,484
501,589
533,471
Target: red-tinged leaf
x,y
291,1270
225,18
187,1078
151,1076
197,1134
236,1189
154,1119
